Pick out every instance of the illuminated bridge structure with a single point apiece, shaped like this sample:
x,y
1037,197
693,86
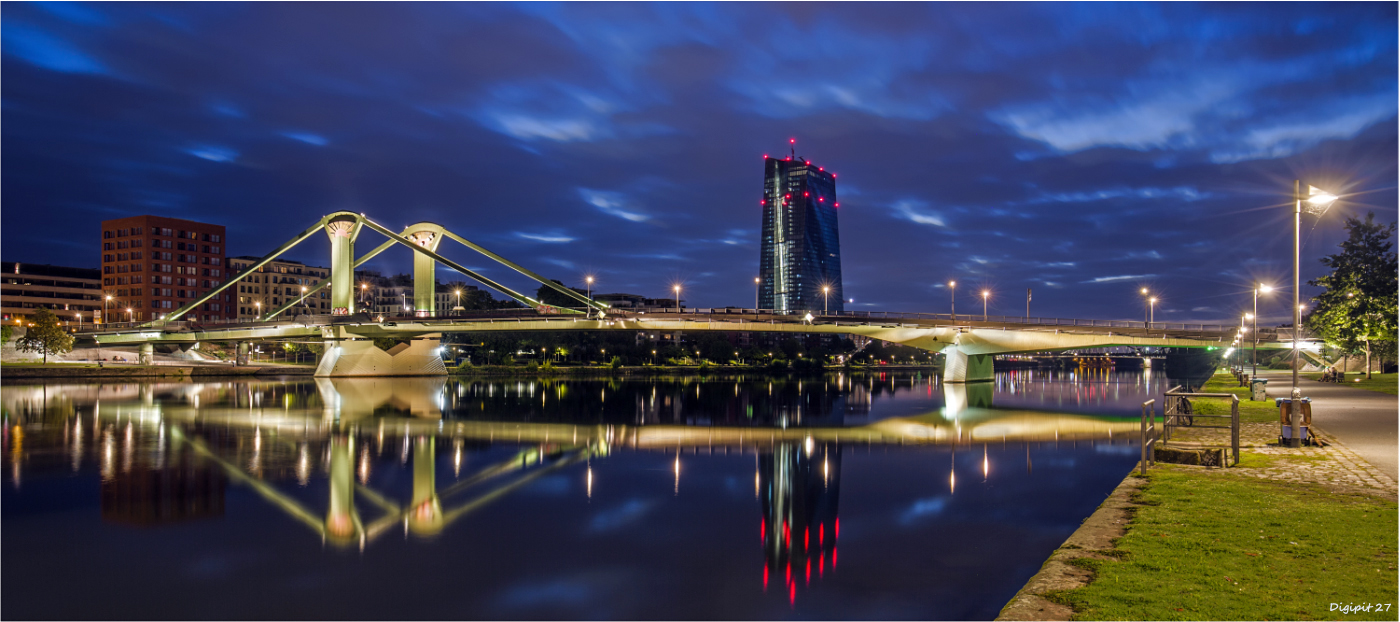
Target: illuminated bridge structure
x,y
968,342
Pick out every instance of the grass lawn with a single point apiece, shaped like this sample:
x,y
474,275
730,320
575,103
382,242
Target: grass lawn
x,y
1250,412
1208,545
1380,383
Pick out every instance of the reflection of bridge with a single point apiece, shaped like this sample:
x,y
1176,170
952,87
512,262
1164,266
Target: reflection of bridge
x,y
213,439
969,344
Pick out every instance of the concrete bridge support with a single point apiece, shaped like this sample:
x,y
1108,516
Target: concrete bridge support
x,y
959,366
360,357
428,236
240,354
147,354
342,230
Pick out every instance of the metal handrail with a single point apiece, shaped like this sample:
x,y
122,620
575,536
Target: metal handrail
x,y
1234,418
1149,436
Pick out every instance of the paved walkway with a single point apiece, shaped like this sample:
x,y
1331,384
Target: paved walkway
x,y
1365,421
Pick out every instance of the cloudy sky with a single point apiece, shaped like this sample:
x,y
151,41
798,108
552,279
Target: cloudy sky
x,y
1081,150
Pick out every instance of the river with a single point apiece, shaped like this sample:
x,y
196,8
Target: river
x,y
874,496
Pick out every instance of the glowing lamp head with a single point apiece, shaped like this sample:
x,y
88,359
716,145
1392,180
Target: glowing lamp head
x,y
1152,300
1144,291
984,293
589,279
1249,316
952,283
1266,289
1320,197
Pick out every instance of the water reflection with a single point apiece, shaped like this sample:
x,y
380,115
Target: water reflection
x,y
350,463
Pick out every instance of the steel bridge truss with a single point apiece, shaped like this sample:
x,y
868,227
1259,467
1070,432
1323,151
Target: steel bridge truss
x,y
343,228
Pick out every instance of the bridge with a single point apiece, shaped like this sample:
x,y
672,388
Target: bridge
x,y
969,343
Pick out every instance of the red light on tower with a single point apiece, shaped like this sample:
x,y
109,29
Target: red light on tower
x,y
792,141
806,194
821,199
836,205
762,202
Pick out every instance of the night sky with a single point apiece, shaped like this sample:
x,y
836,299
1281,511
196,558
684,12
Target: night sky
x,y
1082,150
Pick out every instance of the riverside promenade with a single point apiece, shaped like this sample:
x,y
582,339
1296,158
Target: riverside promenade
x,y
1365,421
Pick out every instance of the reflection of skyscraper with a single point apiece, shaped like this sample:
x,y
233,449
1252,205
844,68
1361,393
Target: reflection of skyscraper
x,y
799,489
801,246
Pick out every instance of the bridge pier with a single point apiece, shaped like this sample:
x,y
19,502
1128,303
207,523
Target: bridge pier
x,y
428,236
342,230
240,353
360,357
146,355
960,366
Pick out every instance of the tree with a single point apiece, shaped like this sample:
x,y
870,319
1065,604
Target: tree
x,y
45,336
6,332
553,297
1358,308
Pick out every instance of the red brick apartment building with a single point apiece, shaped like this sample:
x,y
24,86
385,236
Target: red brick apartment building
x,y
153,265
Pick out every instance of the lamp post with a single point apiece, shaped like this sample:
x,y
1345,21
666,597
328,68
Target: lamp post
x,y
677,289
1321,200
131,316
826,289
1148,317
303,299
953,299
588,293
755,293
364,293
458,308
1151,311
984,304
258,305
106,317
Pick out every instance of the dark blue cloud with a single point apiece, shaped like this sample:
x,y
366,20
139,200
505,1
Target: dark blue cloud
x,y
1082,150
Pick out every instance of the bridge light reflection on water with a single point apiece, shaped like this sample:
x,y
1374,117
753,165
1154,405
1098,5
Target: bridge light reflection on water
x,y
484,468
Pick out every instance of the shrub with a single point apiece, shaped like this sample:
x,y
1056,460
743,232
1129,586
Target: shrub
x,y
616,362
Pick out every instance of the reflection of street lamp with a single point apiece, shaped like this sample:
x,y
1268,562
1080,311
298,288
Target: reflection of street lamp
x,y
1319,201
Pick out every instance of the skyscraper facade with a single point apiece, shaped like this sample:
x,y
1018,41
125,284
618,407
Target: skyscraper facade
x,y
800,260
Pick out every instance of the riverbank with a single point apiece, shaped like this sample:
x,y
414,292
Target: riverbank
x,y
593,371
1286,534
13,371
71,370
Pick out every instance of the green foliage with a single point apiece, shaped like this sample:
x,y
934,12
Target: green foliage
x,y
464,364
386,343
704,364
45,336
532,366
6,332
616,362
1360,301
550,296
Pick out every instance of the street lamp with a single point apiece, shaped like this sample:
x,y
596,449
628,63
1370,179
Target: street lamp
x,y
1318,201
826,289
953,299
1254,348
1151,310
985,293
755,293
259,306
131,317
105,316
588,292
458,293
677,289
303,299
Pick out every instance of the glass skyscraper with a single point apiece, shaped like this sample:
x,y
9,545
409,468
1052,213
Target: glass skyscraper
x,y
801,250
